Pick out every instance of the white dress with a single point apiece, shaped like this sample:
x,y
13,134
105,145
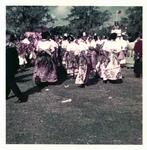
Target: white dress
x,y
83,71
123,45
110,68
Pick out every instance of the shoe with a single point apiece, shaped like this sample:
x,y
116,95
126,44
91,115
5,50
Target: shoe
x,y
82,86
137,75
37,80
105,81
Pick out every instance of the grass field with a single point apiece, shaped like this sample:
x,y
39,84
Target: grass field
x,y
97,114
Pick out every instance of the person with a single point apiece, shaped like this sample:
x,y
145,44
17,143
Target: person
x,y
64,44
22,52
122,55
12,64
109,66
138,56
45,68
92,50
130,53
85,64
70,57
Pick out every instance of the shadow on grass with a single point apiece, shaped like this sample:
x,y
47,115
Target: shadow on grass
x,y
119,81
93,81
22,78
10,97
35,89
62,75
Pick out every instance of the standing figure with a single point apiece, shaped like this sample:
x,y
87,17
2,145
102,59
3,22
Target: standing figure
x,y
12,64
138,57
109,66
45,68
85,64
64,44
122,56
70,59
92,50
22,49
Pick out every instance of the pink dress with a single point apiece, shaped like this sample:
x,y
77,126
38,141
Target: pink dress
x,y
45,68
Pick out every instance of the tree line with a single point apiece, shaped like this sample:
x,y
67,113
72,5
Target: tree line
x,y
20,19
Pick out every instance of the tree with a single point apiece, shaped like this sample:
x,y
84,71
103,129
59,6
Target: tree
x,y
124,21
87,18
133,21
59,30
25,18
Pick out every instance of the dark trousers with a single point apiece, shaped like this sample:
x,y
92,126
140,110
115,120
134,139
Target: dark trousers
x,y
138,67
11,85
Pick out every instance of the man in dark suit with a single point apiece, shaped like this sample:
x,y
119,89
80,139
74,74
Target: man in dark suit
x,y
12,64
138,56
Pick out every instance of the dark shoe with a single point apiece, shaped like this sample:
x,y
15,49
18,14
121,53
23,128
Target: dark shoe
x,y
37,80
137,75
105,81
87,84
82,86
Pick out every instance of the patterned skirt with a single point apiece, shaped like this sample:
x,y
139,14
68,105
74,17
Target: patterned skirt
x,y
70,61
84,68
93,56
45,69
108,67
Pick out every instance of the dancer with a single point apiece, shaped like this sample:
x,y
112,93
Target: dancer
x,y
45,68
109,66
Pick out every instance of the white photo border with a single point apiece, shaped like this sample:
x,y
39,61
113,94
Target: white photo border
x,y
4,3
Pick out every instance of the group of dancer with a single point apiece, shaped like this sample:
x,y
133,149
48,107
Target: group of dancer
x,y
79,57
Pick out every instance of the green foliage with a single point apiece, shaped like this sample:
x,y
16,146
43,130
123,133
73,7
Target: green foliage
x,y
25,18
87,18
124,21
59,30
133,21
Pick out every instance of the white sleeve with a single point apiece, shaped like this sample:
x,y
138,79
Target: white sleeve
x,y
52,47
94,44
37,46
68,47
105,46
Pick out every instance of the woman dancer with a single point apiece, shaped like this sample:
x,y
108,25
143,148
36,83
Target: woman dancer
x,y
85,64
45,68
109,66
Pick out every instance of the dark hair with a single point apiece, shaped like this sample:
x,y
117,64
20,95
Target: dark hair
x,y
95,37
52,36
138,34
113,36
65,37
71,38
12,37
45,35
